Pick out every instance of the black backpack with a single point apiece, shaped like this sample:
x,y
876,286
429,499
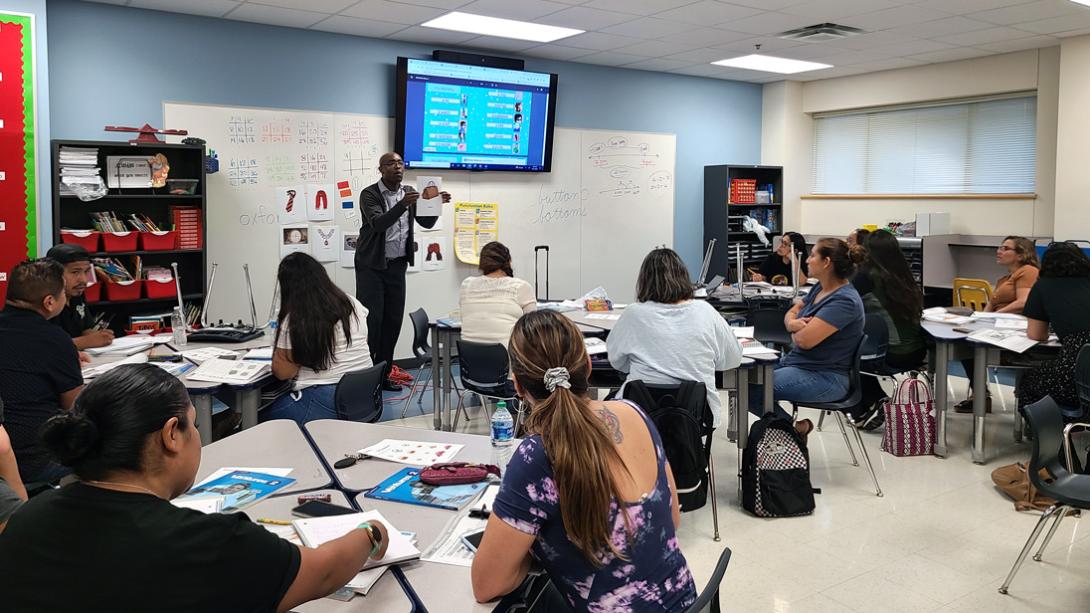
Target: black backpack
x,y
683,421
776,470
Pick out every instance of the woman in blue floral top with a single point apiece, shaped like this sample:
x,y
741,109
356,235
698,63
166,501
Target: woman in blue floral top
x,y
589,494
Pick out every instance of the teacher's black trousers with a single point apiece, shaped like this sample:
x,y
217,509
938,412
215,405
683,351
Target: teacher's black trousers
x,y
382,292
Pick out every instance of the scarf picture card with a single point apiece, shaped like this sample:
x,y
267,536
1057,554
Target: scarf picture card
x,y
289,202
325,245
321,200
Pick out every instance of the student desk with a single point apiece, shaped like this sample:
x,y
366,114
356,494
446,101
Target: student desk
x,y
274,444
951,344
385,595
441,587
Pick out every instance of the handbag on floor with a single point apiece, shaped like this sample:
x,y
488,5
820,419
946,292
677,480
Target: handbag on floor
x,y
910,420
1013,480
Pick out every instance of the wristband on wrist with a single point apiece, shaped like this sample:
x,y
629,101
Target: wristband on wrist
x,y
374,535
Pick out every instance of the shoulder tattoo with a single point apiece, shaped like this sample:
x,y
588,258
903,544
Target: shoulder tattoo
x,y
613,425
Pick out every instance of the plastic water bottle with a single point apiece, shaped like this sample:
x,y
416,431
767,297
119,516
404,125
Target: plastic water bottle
x,y
503,426
177,325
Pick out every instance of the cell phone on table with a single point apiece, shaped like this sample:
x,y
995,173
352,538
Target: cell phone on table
x,y
317,508
472,540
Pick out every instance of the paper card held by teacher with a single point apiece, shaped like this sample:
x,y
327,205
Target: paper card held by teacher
x,y
431,202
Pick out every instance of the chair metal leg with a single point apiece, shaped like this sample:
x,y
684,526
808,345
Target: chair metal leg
x,y
821,420
1028,546
1060,515
715,505
840,422
999,390
866,459
459,411
409,398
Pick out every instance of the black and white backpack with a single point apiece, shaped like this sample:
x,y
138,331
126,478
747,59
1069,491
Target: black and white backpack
x,y
776,470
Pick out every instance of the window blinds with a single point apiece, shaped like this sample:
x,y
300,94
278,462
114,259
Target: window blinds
x,y
982,147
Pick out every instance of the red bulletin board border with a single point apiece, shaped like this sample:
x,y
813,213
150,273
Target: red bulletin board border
x,y
18,189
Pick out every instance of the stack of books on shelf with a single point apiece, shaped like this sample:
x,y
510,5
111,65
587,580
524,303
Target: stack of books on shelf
x,y
79,167
114,270
108,221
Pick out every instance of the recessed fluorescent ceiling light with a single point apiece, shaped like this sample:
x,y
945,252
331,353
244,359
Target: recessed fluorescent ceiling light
x,y
1084,2
494,26
768,63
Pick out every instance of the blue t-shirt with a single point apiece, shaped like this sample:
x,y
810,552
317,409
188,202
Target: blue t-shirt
x,y
655,577
842,309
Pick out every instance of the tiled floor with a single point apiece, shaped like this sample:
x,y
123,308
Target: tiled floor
x,y
941,539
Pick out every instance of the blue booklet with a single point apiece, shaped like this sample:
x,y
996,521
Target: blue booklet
x,y
237,489
405,486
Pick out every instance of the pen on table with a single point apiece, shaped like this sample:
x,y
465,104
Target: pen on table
x,y
273,522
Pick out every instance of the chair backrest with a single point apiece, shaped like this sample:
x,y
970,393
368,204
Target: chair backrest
x,y
877,335
1082,377
358,396
483,365
855,384
768,325
419,319
972,293
708,600
1047,424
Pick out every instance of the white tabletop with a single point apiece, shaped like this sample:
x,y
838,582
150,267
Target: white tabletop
x,y
386,595
274,444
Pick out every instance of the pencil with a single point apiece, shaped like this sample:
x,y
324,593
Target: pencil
x,y
273,522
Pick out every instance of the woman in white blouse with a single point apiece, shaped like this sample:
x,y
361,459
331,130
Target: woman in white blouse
x,y
492,302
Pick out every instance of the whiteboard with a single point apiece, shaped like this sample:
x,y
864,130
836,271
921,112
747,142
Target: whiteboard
x,y
608,200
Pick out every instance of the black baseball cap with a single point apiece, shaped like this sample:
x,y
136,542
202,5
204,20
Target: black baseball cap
x,y
66,253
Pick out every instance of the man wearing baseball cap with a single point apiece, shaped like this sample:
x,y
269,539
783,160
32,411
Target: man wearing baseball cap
x,y
76,318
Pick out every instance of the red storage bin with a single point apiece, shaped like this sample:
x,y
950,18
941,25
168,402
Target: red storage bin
x,y
93,293
129,290
88,239
158,241
112,242
160,289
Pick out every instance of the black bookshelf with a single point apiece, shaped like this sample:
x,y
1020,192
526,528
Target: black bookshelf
x,y
69,212
723,219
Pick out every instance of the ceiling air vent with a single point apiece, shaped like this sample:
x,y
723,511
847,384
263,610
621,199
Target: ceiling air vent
x,y
820,33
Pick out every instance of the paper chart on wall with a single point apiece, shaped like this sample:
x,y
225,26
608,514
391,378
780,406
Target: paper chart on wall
x,y
324,245
319,202
293,238
475,225
348,249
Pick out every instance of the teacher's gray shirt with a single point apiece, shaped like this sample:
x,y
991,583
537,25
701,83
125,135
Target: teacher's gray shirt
x,y
669,343
397,234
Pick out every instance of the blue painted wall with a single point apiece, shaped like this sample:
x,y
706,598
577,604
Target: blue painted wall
x,y
116,65
41,112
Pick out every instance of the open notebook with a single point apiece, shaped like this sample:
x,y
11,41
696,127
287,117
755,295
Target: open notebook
x,y
317,530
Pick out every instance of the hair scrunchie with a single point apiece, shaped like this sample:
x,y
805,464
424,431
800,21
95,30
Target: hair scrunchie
x,y
556,377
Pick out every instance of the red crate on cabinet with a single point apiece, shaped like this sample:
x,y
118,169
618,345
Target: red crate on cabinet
x,y
160,289
124,291
88,239
188,225
113,242
743,191
159,241
93,293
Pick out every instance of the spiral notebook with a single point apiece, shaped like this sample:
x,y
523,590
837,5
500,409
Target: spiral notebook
x,y
317,530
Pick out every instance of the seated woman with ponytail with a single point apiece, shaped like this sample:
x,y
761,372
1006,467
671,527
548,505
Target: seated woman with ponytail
x,y
588,494
112,541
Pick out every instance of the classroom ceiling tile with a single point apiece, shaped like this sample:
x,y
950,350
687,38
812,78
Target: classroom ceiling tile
x,y
585,18
770,23
979,37
1030,11
766,5
706,70
648,27
1032,42
1057,25
769,44
870,40
343,24
498,43
610,58
962,7
207,8
655,48
275,15
557,52
708,13
394,12
895,17
441,4
431,36
659,64
705,37
599,41
837,10
699,56
950,55
331,7
637,7
912,48
942,27
525,10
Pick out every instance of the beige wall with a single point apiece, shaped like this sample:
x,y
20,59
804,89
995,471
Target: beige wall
x,y
788,139
1073,142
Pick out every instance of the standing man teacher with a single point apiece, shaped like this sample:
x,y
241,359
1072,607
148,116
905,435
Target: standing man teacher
x,y
384,251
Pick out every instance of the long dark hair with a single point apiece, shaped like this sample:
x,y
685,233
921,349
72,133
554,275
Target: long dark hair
x,y
663,278
495,256
579,448
314,306
108,428
798,243
1064,259
889,269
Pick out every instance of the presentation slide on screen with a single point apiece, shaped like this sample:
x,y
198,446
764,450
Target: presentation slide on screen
x,y
474,117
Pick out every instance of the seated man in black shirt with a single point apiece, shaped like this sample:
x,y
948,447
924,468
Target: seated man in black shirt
x,y
76,318
39,366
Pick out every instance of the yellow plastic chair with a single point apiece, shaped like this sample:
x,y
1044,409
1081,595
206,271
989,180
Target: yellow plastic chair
x,y
972,293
